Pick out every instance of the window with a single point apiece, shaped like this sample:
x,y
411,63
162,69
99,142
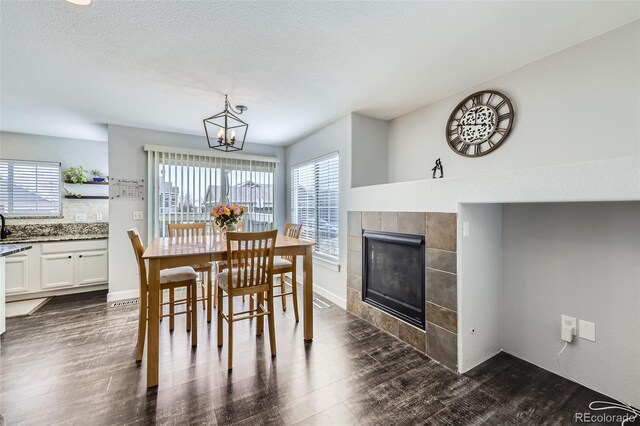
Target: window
x,y
29,188
187,185
315,202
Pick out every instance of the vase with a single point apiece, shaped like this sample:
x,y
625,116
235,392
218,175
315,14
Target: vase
x,y
230,227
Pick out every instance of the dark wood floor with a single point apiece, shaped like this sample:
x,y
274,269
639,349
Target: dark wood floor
x,y
72,363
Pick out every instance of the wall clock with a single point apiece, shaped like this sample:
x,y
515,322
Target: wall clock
x,y
480,123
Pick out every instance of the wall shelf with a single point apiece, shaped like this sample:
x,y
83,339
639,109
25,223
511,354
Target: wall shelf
x,y
87,197
89,182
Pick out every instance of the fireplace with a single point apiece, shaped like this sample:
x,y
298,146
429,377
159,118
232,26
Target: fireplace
x,y
393,274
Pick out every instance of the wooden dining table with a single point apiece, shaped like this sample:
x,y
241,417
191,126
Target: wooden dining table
x,y
171,252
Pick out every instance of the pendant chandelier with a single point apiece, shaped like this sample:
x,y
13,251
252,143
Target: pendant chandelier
x,y
225,131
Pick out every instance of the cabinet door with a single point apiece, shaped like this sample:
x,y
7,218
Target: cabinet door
x,y
56,270
17,273
92,267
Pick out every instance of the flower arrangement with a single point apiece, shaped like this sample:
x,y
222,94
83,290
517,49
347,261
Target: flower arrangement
x,y
225,215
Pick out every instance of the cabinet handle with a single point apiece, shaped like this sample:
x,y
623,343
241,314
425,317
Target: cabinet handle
x,y
69,257
80,256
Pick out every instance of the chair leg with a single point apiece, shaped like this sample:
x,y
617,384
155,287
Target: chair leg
x,y
215,290
142,327
161,304
172,309
260,302
189,307
272,325
209,296
283,290
220,318
294,290
194,314
203,287
230,331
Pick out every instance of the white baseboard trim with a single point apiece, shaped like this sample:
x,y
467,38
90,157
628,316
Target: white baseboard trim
x,y
112,296
327,294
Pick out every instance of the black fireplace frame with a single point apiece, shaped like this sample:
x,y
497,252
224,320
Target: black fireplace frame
x,y
390,306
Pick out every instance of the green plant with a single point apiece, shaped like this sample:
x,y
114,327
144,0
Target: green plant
x,y
73,194
98,173
75,175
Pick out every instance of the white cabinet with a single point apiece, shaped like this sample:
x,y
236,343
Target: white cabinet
x,y
92,267
57,270
17,273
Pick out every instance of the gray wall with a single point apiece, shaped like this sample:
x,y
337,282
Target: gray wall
x,y
578,105
329,280
369,140
581,260
128,160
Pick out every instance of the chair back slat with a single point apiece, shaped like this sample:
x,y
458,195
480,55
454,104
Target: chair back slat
x,y
188,230
292,230
138,250
251,255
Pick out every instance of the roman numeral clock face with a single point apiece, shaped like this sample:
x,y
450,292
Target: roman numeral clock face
x,y
480,123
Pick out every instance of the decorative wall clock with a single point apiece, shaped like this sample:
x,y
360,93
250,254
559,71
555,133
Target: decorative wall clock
x,y
480,123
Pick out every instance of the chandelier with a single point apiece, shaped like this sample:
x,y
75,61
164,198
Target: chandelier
x,y
225,131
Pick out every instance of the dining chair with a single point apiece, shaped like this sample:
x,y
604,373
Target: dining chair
x,y
221,265
283,265
191,230
184,276
250,257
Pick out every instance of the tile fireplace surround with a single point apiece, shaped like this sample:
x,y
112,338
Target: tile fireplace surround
x,y
440,341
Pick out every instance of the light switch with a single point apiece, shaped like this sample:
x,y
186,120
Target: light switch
x,y
587,330
138,215
465,229
99,217
80,217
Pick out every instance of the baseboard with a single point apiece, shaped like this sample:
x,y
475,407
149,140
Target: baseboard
x,y
112,296
327,294
60,292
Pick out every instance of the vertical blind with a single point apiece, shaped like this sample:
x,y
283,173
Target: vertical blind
x,y
185,186
29,188
315,197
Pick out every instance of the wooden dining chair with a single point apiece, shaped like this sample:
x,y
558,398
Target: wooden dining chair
x,y
170,279
250,261
221,265
190,230
283,265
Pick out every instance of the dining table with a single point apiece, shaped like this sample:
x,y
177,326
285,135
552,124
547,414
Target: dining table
x,y
172,252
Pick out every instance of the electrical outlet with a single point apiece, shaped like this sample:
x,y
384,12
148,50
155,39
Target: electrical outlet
x,y
99,217
138,215
80,217
587,330
465,229
567,322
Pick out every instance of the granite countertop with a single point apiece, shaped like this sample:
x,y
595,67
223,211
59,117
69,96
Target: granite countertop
x,y
8,249
53,238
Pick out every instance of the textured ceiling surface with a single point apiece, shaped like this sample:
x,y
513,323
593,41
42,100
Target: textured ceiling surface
x,y
68,70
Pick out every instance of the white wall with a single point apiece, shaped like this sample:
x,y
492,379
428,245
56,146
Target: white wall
x,y
578,105
582,260
335,137
479,284
369,159
128,160
70,153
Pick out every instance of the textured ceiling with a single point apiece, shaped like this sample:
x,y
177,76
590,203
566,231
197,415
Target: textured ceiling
x,y
68,70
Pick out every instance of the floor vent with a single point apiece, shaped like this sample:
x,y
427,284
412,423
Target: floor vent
x,y
125,303
320,304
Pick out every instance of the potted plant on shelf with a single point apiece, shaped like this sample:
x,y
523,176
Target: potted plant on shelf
x,y
98,176
76,175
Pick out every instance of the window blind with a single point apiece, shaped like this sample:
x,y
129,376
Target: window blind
x,y
29,188
185,186
315,192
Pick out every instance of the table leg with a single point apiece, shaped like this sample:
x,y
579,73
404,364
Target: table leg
x,y
153,323
307,282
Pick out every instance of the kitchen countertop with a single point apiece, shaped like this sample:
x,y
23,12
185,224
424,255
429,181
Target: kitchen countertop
x,y
8,249
52,238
